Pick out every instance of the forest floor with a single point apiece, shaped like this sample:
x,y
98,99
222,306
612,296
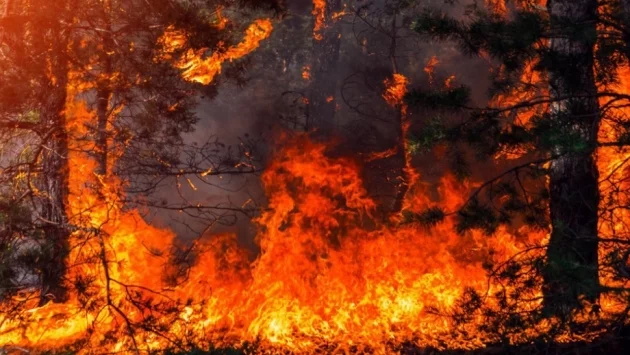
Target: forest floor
x,y
608,345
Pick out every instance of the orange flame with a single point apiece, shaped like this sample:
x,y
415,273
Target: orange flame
x,y
319,12
341,13
395,91
221,21
382,155
448,83
430,68
196,68
329,272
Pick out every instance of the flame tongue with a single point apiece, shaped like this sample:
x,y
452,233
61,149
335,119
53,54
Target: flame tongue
x,y
196,68
319,13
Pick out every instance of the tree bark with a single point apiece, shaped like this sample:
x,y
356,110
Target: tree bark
x,y
325,58
572,260
401,131
405,173
55,177
104,91
53,180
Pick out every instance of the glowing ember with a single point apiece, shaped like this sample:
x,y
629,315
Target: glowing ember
x,y
221,21
430,68
306,73
382,155
448,83
498,6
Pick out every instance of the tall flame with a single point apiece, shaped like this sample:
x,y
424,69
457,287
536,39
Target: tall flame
x,y
319,12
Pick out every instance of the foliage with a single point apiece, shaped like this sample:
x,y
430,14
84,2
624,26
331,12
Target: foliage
x,y
525,128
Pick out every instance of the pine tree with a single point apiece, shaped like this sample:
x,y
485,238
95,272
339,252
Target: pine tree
x,y
562,45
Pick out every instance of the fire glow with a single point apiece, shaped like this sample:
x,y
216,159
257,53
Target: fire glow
x,y
331,274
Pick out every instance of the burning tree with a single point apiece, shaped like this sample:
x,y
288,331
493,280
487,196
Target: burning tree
x,y
558,112
84,81
326,46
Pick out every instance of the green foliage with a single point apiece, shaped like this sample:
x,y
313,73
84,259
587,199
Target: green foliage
x,y
513,42
449,98
438,25
475,215
556,134
431,134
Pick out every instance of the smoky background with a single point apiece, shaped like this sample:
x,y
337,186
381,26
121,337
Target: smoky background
x,y
269,95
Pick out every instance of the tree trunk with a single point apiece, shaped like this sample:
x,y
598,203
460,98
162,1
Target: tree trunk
x,y
572,270
55,177
104,92
325,58
402,155
402,127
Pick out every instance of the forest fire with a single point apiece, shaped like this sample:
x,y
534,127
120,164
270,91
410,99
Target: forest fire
x,y
337,271
322,277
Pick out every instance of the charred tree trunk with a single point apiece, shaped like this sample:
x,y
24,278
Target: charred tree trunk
x,y
55,175
405,175
325,58
572,270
